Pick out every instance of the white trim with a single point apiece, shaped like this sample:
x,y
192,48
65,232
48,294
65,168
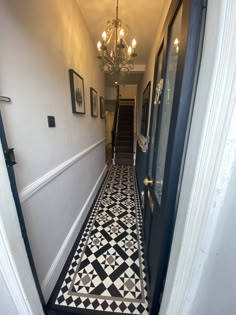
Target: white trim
x,y
34,187
55,269
197,213
11,279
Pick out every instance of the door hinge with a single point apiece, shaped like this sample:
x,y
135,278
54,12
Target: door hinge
x,y
10,157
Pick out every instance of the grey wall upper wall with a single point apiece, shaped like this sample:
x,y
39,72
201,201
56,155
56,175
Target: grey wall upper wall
x,y
42,40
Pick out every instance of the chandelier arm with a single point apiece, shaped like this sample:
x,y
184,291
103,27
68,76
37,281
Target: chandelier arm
x,y
109,39
125,43
108,60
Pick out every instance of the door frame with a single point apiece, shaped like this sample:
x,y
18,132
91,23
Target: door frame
x,y
181,281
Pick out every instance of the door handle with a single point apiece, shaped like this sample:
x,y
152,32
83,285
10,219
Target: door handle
x,y
147,181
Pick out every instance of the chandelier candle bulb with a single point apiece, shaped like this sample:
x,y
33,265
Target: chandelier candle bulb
x,y
129,50
99,45
104,36
122,33
133,43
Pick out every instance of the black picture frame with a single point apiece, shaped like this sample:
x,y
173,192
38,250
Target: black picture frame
x,y
94,102
145,109
102,107
77,92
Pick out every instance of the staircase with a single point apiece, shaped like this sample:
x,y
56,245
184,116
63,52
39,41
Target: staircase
x,y
124,139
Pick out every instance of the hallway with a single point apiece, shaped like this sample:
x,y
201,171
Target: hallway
x,y
105,270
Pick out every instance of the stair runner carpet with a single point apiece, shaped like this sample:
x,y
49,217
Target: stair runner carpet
x,y
106,272
124,141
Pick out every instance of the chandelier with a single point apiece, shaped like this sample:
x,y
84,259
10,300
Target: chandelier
x,y
115,54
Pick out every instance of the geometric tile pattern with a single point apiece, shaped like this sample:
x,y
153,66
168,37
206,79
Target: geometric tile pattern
x,y
107,271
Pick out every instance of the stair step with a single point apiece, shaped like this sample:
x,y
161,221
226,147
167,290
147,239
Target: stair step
x,y
124,142
126,129
125,134
126,122
127,110
124,155
122,149
125,137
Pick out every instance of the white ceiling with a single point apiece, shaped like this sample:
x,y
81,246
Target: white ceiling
x,y
141,16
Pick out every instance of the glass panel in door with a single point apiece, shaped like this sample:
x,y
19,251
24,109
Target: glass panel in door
x,y
154,113
167,104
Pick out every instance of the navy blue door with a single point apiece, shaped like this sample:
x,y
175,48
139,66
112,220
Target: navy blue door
x,y
175,72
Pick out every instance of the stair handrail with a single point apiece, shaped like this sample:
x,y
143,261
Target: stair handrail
x,y
115,123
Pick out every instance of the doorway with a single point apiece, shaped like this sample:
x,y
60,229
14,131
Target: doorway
x,y
175,73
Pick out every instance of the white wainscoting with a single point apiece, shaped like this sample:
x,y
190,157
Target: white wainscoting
x,y
31,189
54,271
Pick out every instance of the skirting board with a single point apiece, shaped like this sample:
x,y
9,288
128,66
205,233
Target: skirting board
x,y
53,273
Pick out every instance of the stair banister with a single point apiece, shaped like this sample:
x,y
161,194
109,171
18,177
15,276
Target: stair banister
x,y
115,123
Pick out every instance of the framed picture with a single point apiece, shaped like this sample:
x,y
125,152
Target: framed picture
x,y
102,107
77,92
94,102
145,109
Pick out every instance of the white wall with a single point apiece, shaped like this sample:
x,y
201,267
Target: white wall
x,y
110,93
216,291
42,40
128,91
109,126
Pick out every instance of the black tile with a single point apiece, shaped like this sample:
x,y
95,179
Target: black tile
x,y
104,305
131,307
114,291
95,304
119,271
99,270
86,302
98,290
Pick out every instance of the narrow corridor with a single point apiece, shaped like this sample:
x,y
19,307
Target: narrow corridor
x,y
105,270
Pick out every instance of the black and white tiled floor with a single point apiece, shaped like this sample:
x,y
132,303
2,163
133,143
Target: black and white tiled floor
x,y
107,270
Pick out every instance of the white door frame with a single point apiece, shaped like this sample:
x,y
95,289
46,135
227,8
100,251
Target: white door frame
x,y
195,224
207,159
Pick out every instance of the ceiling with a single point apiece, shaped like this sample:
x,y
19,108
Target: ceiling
x,y
141,16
